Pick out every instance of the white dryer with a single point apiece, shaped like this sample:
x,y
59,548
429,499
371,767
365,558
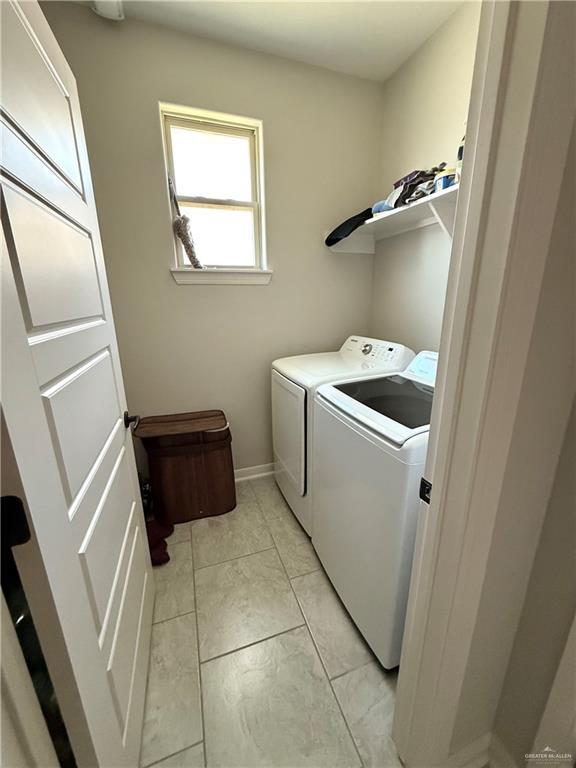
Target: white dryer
x,y
370,443
294,381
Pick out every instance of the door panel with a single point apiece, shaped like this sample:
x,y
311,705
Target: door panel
x,y
63,396
49,298
66,346
83,409
105,535
27,164
122,655
125,562
47,121
88,497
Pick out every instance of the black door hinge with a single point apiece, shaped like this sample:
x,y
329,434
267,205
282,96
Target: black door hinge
x,y
425,490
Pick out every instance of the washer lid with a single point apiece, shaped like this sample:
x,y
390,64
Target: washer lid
x,y
396,407
358,356
312,369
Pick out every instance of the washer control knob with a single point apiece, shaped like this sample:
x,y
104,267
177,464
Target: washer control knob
x,y
366,349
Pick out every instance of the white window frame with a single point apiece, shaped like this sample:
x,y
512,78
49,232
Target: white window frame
x,y
187,117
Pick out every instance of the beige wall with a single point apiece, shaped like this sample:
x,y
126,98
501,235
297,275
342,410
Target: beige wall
x,y
426,100
547,615
409,287
425,108
191,347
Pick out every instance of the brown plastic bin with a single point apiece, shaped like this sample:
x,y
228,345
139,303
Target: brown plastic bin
x,y
190,461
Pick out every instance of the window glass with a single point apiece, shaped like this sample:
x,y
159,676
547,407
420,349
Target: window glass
x,y
222,236
210,164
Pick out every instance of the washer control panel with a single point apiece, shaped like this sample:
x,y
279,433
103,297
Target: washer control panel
x,y
423,368
376,353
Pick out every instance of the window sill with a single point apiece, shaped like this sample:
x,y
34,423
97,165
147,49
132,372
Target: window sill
x,y
191,276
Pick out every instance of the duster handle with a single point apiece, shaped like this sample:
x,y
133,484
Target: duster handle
x,y
173,195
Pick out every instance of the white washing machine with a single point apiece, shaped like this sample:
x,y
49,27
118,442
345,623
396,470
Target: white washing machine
x,y
370,443
294,381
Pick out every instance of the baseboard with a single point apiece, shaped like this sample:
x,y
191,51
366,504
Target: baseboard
x,y
499,755
475,755
249,473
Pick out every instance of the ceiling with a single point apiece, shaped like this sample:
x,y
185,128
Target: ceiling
x,y
366,39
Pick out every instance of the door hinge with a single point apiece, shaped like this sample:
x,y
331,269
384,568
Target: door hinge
x,y
425,490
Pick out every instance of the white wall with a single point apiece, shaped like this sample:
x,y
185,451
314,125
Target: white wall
x,y
192,347
425,108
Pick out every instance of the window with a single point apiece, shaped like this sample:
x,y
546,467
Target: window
x,y
215,163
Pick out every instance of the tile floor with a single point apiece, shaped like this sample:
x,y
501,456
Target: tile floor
x,y
254,660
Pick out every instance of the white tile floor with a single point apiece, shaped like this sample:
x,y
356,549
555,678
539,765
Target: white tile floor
x,y
254,660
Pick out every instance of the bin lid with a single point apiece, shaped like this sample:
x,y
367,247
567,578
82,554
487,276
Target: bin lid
x,y
181,424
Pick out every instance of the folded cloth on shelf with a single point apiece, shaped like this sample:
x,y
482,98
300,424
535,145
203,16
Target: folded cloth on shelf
x,y
389,203
422,190
408,189
348,226
407,179
381,206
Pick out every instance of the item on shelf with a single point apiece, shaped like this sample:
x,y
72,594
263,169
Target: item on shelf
x,y
416,178
348,226
409,188
444,179
389,203
377,226
407,179
460,157
381,207
422,190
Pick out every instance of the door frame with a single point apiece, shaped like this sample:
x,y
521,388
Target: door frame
x,y
25,737
497,266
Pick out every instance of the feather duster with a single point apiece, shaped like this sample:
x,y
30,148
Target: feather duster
x,y
181,225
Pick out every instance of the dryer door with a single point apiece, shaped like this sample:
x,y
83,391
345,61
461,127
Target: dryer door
x,y
289,431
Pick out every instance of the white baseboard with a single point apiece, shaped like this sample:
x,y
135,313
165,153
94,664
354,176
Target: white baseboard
x,y
249,473
475,755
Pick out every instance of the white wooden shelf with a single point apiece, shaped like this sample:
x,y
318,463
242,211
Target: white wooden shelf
x,y
438,208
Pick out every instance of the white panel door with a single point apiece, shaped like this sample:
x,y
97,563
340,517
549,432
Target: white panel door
x,y
62,392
